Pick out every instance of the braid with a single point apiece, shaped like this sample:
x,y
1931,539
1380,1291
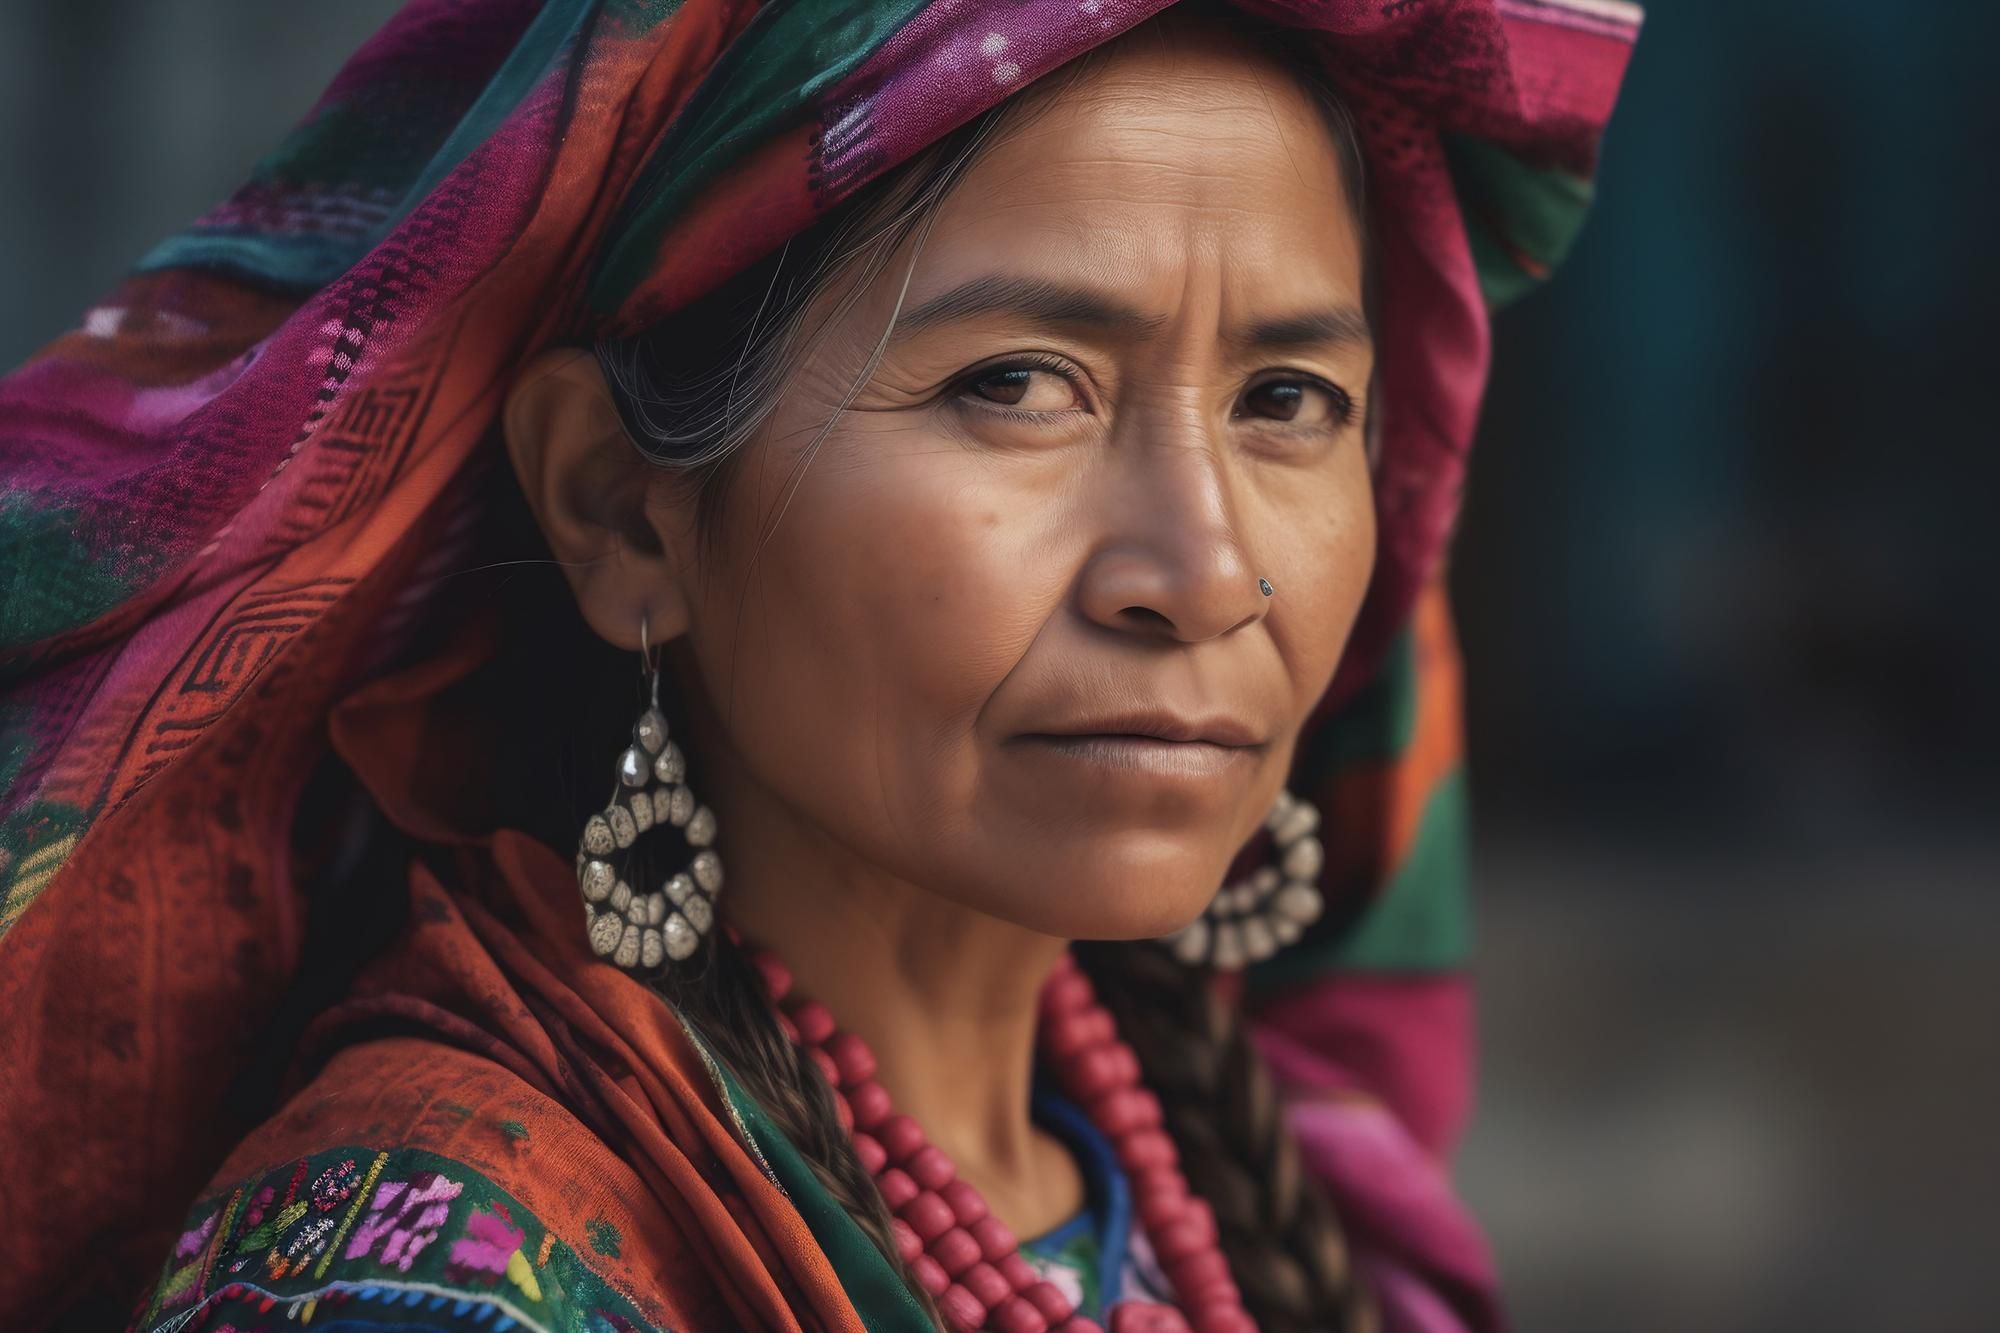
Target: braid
x,y
727,1003
1285,1246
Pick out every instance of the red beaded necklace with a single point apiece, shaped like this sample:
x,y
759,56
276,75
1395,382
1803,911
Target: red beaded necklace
x,y
965,1257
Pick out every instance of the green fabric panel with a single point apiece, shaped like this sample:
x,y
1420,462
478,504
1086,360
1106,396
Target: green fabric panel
x,y
792,52
879,1296
299,264
57,572
1423,921
1513,210
1375,725
1420,923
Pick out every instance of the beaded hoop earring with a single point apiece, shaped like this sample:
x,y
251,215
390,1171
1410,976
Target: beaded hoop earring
x,y
637,930
1252,919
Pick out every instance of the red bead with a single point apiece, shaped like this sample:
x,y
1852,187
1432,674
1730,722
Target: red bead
x,y
1196,1273
902,1136
928,1275
1018,1315
908,1243
984,1281
824,1063
1123,1110
1076,1323
1020,1274
777,977
814,1022
1089,1075
1160,1195
1147,1148
966,1204
897,1188
927,1215
1224,1319
1069,1034
1093,1074
1210,1298
871,1153
961,1307
1048,1298
1067,992
996,1242
871,1104
1201,1215
956,1250
1127,1061
1177,1240
1147,1317
843,1113
931,1168
852,1057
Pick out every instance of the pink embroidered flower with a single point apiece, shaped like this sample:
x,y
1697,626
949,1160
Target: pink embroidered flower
x,y
191,1242
260,1203
404,1218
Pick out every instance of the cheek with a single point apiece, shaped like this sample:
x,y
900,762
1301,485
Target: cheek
x,y
902,582
1322,549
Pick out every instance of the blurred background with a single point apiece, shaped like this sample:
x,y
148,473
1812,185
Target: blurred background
x,y
1726,585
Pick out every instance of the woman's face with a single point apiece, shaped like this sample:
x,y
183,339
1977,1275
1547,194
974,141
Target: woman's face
x,y
1000,634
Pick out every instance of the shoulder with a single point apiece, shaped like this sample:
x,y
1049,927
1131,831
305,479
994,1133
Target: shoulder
x,y
460,1199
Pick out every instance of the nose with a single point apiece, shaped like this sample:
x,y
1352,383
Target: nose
x,y
1171,562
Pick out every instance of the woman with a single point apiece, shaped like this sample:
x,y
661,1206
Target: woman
x,y
1015,524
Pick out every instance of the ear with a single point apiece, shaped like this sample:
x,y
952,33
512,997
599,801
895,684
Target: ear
x,y
618,530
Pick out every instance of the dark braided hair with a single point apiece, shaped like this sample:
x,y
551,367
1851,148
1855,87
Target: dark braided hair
x,y
691,391
1286,1247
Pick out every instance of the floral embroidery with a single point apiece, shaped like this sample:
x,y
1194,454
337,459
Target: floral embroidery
x,y
405,1217
260,1203
356,1237
195,1241
492,1246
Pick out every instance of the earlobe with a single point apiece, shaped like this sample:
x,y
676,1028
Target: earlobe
x,y
589,489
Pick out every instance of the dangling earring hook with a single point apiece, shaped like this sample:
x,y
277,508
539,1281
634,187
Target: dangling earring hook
x,y
648,665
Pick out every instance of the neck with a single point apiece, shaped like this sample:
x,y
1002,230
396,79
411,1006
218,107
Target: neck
x,y
947,998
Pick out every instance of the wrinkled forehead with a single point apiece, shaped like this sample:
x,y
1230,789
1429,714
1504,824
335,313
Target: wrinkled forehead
x,y
1168,172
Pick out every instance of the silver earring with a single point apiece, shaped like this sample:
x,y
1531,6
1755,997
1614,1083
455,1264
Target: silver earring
x,y
639,930
1252,919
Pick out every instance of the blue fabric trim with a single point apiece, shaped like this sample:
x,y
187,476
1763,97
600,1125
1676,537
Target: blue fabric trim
x,y
1109,1193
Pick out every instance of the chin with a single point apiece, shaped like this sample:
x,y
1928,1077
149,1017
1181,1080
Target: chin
x,y
1096,894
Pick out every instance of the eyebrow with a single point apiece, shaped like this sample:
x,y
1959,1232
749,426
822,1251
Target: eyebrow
x,y
1341,324
1041,301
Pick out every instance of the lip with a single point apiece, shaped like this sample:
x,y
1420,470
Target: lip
x,y
1223,732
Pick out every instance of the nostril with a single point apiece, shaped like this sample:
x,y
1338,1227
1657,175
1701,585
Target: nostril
x,y
1145,617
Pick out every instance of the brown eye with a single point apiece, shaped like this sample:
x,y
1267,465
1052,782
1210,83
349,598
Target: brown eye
x,y
1296,402
1025,388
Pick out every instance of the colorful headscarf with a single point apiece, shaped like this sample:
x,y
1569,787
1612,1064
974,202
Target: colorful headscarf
x,y
227,496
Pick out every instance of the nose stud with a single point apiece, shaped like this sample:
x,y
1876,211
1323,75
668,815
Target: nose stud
x,y
1264,586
